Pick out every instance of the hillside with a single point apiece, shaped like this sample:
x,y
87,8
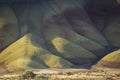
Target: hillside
x,y
27,53
37,34
111,60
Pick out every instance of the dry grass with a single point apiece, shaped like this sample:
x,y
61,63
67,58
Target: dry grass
x,y
66,75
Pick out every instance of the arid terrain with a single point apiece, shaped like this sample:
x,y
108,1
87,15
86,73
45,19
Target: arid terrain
x,y
60,39
65,74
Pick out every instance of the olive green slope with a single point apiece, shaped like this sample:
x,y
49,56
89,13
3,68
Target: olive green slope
x,y
62,41
8,26
56,25
111,60
21,11
73,52
112,30
76,16
36,19
55,36
27,53
59,35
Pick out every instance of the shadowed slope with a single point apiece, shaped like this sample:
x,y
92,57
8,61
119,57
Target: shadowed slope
x,y
112,30
72,52
28,53
76,17
57,32
56,25
22,11
53,30
8,26
111,60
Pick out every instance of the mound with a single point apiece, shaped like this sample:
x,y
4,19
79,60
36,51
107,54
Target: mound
x,y
8,27
27,53
111,60
73,52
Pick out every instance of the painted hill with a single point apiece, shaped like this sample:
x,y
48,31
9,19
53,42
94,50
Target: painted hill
x,y
28,53
46,34
56,25
76,16
72,52
111,60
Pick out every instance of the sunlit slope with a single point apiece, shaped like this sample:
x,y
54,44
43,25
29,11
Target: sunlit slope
x,y
27,53
111,60
8,26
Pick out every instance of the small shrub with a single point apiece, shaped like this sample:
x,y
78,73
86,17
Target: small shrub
x,y
28,74
117,74
69,73
61,73
80,73
42,77
108,78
